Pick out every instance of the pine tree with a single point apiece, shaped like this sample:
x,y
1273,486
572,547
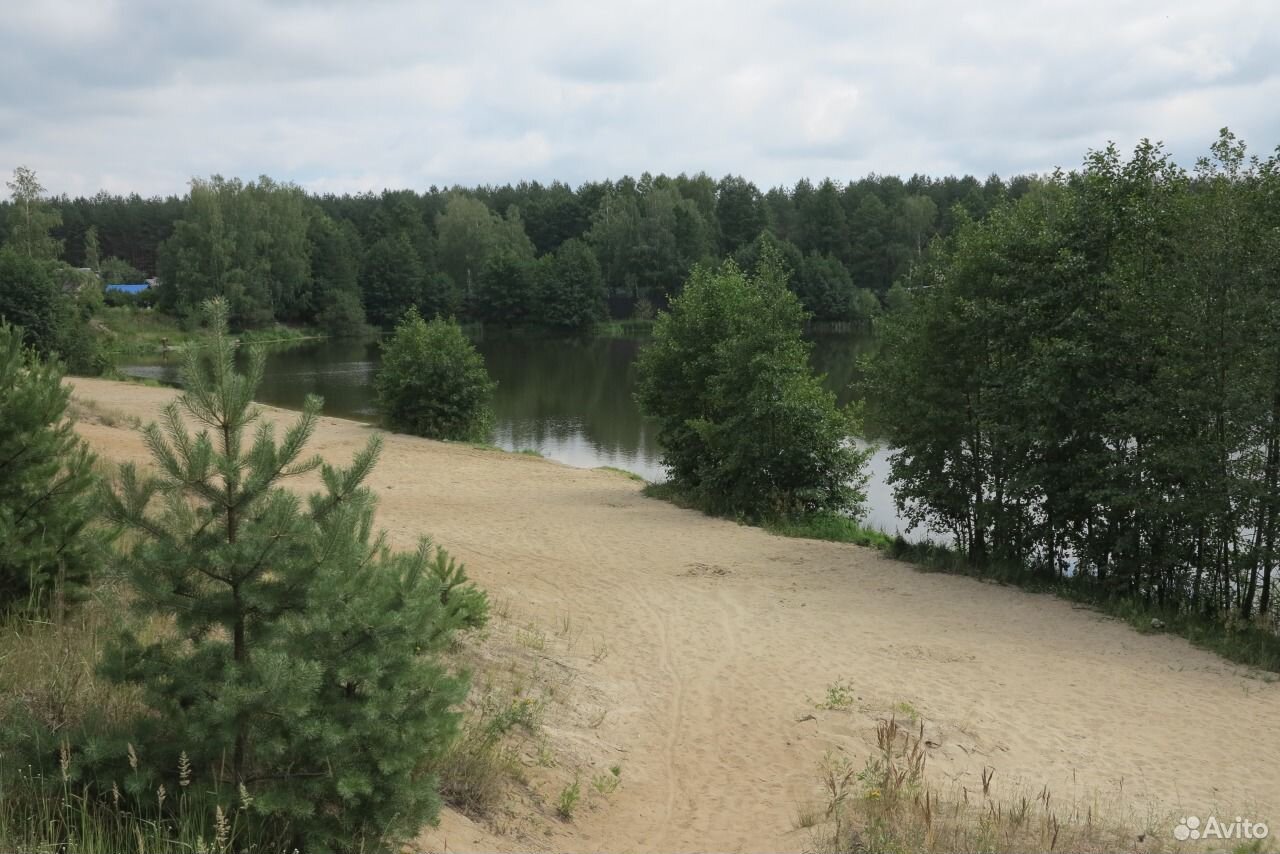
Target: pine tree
x,y
46,481
301,662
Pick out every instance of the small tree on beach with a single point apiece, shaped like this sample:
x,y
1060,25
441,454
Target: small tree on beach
x,y
282,645
433,383
745,426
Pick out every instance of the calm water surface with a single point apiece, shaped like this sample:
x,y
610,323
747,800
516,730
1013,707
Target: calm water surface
x,y
569,400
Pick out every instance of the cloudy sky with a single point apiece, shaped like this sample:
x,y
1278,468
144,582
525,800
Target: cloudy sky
x,y
140,95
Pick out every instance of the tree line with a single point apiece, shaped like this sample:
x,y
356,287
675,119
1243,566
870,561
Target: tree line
x,y
530,253
1085,385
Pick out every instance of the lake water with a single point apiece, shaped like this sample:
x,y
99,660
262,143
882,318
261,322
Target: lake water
x,y
569,400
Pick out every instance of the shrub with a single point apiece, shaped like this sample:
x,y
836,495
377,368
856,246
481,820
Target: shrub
x,y
46,481
433,383
745,426
29,299
299,655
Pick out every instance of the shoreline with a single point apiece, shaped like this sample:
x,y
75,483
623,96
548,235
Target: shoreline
x,y
720,636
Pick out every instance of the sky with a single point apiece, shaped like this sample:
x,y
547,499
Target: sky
x,y
355,95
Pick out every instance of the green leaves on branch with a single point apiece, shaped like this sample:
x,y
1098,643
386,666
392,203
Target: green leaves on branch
x,y
745,426
46,484
433,383
279,641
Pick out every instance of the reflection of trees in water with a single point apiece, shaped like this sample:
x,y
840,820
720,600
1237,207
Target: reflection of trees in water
x,y
570,393
560,389
837,356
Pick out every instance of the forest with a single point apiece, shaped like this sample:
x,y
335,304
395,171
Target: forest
x,y
531,254
1085,387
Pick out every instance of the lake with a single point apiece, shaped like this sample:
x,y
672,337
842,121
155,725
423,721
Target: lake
x,y
569,400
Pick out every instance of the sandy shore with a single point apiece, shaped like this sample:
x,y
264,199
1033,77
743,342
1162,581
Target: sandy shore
x,y
721,639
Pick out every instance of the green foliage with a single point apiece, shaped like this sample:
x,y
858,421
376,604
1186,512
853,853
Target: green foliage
x,y
1085,384
745,426
393,278
825,288
829,526
571,289
433,383
280,255
505,292
343,316
767,243
30,299
567,802
297,654
46,483
245,243
31,218
43,299
114,271
469,234
92,249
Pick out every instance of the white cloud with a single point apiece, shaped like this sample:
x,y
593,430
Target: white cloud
x,y
143,94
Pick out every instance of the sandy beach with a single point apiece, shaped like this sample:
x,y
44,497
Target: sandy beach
x,y
722,642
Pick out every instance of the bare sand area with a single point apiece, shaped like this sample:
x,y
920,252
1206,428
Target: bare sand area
x,y
711,647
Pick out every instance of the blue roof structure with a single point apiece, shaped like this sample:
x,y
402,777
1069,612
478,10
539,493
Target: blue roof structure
x,y
129,288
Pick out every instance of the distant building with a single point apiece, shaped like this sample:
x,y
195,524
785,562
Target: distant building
x,y
129,288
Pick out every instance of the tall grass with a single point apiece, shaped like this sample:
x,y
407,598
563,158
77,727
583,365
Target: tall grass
x,y
40,812
891,805
51,694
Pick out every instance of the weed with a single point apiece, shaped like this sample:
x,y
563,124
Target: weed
x,y
532,637
568,800
840,697
908,711
890,805
599,651
607,784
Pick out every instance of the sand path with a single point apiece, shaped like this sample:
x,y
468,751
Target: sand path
x,y
720,638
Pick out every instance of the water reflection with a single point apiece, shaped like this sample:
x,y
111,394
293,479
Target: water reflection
x,y
569,400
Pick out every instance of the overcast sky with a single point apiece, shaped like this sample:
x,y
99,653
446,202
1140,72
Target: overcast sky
x,y
351,96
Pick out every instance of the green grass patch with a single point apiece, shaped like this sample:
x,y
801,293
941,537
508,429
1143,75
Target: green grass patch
x,y
629,475
133,331
831,527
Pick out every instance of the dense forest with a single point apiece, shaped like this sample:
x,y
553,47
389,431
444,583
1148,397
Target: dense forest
x,y
531,253
1086,384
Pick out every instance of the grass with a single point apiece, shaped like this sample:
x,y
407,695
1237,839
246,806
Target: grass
x,y
829,526
841,695
607,784
477,768
92,411
891,805
50,688
1249,644
629,475
133,331
567,803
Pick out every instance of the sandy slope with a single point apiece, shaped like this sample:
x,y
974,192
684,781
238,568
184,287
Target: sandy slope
x,y
720,638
